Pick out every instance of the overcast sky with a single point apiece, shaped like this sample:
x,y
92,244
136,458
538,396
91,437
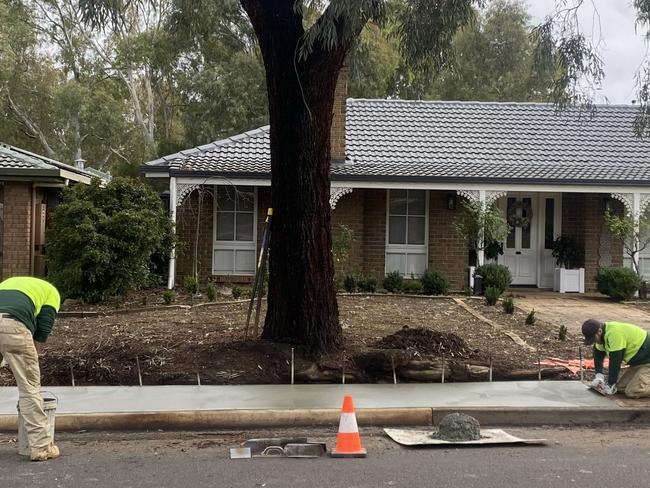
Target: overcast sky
x,y
623,50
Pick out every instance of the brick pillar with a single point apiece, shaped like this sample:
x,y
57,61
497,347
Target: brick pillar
x,y
337,134
349,211
16,256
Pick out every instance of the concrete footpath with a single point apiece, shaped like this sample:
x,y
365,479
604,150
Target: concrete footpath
x,y
255,406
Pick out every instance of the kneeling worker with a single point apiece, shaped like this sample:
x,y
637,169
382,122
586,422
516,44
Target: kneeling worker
x,y
622,343
28,307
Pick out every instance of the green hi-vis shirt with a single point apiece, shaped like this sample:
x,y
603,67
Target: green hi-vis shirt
x,y
622,337
32,301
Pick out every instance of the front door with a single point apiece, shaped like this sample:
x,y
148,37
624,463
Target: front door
x,y
520,247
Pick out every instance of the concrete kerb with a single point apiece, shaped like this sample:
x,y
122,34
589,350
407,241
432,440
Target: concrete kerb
x,y
253,419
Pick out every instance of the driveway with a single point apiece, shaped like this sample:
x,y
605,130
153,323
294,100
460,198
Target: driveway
x,y
571,310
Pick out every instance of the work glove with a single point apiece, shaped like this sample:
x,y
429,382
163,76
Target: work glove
x,y
598,380
610,389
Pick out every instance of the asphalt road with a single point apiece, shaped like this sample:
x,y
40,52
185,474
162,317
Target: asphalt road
x,y
572,458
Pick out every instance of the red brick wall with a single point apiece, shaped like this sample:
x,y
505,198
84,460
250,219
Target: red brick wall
x,y
186,218
582,218
447,253
373,247
16,256
349,211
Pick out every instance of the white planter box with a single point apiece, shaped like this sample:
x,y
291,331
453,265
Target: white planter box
x,y
569,280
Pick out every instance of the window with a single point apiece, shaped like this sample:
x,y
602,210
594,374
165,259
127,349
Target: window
x,y
235,231
549,223
407,231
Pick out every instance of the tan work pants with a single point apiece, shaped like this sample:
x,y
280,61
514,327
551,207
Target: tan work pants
x,y
635,382
17,348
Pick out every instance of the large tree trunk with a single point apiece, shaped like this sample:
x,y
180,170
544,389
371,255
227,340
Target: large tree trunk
x,y
302,304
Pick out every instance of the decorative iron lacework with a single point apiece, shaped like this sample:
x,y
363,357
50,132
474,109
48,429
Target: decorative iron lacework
x,y
336,194
471,195
183,190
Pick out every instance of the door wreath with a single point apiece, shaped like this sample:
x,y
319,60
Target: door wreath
x,y
520,215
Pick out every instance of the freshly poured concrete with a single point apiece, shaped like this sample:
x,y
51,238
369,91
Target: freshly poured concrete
x,y
134,399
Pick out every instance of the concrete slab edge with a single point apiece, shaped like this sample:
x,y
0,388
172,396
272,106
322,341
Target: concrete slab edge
x,y
252,419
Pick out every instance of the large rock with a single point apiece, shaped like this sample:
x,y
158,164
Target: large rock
x,y
458,427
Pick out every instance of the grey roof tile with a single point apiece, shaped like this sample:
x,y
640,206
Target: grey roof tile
x,y
395,139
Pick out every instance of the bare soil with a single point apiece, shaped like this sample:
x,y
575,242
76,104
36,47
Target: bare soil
x,y
172,345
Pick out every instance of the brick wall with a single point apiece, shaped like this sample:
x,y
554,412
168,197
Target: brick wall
x,y
337,135
582,218
373,247
447,253
349,212
16,257
186,218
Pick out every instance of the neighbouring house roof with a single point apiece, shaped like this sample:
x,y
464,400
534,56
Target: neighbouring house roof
x,y
397,140
18,163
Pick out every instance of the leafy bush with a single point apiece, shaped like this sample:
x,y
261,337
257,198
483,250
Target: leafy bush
x,y
367,284
508,305
350,282
434,283
568,252
495,276
562,333
530,318
413,287
211,291
393,282
618,283
467,291
236,292
492,295
103,240
169,296
191,285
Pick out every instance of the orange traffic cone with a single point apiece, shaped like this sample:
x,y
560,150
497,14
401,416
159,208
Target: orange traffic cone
x,y
348,441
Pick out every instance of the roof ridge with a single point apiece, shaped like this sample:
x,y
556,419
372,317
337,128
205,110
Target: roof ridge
x,y
481,102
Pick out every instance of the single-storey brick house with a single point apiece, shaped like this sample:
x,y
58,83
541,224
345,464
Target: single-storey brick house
x,y
30,189
399,168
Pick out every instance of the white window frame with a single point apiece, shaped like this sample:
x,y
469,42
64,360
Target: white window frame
x,y
234,245
406,249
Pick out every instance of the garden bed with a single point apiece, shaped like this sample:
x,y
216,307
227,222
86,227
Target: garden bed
x,y
173,345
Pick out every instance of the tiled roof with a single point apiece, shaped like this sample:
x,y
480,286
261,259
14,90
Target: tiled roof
x,y
395,140
24,163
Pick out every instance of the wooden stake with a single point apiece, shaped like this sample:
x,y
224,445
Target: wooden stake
x,y
72,375
490,369
198,379
292,365
582,374
392,360
539,369
442,358
343,373
137,362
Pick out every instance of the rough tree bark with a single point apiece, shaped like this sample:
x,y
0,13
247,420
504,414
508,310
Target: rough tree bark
x,y
302,305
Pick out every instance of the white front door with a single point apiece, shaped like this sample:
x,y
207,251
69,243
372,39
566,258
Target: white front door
x,y
520,247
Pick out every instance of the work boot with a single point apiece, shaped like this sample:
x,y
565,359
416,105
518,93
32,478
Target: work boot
x,y
45,453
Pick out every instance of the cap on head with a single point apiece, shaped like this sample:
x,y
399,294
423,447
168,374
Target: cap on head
x,y
589,329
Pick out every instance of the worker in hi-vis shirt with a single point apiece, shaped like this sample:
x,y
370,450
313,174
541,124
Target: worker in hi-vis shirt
x,y
28,308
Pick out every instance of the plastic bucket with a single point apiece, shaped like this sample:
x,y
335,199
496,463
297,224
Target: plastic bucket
x,y
49,406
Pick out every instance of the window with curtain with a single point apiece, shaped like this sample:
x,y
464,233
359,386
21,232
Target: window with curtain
x,y
407,229
235,233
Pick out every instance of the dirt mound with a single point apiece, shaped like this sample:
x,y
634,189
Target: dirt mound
x,y
426,341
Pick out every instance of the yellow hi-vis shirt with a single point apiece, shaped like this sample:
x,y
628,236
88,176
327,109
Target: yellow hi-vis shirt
x,y
622,337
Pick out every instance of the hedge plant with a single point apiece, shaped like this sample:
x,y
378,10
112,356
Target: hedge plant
x,y
618,283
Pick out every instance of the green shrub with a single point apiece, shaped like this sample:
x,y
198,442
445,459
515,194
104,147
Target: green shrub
x,y
104,241
495,276
168,296
492,295
211,291
568,253
236,292
434,283
508,305
368,284
412,287
530,318
191,285
562,333
393,282
350,282
618,283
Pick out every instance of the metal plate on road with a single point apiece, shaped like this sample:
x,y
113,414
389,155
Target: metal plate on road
x,y
424,438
